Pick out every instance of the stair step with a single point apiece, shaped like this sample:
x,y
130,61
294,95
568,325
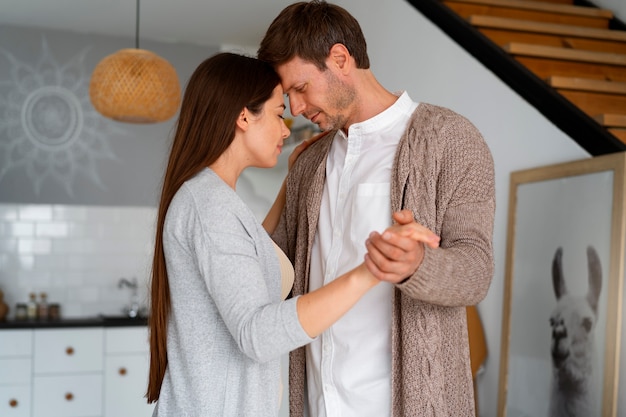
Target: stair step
x,y
586,84
611,120
555,1
545,67
465,9
533,10
546,28
545,7
619,133
565,54
596,103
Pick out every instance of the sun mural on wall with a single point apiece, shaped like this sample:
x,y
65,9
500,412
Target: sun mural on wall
x,y
48,128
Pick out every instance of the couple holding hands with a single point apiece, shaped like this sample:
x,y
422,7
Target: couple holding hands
x,y
380,237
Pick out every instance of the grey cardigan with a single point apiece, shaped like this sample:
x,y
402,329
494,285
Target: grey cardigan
x,y
443,172
228,326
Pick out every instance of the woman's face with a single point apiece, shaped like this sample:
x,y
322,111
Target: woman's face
x,y
267,132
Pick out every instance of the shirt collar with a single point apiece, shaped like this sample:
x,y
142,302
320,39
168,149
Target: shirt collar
x,y
390,116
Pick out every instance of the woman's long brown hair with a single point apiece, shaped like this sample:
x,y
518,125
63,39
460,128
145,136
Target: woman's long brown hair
x,y
218,90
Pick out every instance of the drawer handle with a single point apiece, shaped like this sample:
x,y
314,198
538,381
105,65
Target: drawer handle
x,y
13,403
69,350
122,371
69,396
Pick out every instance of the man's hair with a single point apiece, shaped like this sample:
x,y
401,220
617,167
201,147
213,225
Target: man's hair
x,y
308,30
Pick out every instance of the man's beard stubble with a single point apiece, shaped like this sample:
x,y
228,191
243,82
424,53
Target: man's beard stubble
x,y
339,97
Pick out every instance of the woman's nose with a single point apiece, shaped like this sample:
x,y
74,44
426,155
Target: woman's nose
x,y
286,131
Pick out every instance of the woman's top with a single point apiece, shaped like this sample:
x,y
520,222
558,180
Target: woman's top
x,y
286,272
228,327
286,280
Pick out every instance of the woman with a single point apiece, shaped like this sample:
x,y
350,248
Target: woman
x,y
218,324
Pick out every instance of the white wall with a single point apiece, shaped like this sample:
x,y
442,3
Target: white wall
x,y
54,147
408,52
618,7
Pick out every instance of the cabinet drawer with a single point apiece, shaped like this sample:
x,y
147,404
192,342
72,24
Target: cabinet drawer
x,y
16,343
67,396
15,401
15,371
127,340
126,380
72,350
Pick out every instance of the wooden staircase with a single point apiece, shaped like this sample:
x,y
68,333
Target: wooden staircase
x,y
568,58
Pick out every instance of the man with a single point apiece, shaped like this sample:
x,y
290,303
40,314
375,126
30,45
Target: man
x,y
403,349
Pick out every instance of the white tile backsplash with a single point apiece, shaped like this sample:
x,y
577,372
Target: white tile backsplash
x,y
34,212
29,246
51,229
8,212
76,254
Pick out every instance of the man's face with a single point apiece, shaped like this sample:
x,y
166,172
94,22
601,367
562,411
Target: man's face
x,y
320,96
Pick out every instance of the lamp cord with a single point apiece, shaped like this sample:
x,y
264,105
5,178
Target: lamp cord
x,y
137,27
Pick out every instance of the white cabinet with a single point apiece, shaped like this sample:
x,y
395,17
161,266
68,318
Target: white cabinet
x,y
68,350
68,395
126,367
15,373
67,369
74,372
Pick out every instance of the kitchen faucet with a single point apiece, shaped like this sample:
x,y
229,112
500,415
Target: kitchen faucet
x,y
133,309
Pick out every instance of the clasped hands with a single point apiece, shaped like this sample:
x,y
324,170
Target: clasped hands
x,y
396,254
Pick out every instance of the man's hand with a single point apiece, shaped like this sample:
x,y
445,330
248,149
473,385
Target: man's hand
x,y
397,253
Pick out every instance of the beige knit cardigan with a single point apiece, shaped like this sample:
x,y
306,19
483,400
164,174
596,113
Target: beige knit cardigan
x,y
443,172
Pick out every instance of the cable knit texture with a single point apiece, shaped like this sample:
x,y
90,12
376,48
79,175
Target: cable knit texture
x,y
443,172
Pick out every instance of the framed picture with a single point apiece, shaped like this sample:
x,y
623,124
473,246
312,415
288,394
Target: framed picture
x,y
563,287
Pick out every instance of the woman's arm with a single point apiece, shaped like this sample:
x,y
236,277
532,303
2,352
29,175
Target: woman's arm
x,y
273,215
319,309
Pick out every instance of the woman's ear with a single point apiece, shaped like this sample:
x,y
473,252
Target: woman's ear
x,y
242,120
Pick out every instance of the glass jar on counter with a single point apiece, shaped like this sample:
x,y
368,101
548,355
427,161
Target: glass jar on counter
x,y
31,307
54,311
21,311
42,307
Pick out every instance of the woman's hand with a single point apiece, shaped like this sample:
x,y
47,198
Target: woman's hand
x,y
397,253
302,146
273,215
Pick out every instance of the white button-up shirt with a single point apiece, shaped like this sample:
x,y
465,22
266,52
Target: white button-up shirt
x,y
349,365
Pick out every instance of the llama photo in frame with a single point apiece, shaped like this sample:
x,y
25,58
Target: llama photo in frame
x,y
561,318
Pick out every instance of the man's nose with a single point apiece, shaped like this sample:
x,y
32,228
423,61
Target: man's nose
x,y
296,106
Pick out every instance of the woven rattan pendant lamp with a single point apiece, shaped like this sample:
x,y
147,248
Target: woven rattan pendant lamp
x,y
135,85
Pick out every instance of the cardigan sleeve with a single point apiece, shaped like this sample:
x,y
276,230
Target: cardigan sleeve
x,y
452,192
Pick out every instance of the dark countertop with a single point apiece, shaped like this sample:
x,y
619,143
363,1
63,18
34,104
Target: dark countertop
x,y
98,321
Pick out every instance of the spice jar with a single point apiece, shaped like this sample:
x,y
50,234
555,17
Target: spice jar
x,y
42,307
54,311
20,311
4,307
31,307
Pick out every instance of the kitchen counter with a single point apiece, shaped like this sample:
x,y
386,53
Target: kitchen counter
x,y
98,321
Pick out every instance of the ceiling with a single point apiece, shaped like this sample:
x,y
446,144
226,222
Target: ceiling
x,y
201,22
